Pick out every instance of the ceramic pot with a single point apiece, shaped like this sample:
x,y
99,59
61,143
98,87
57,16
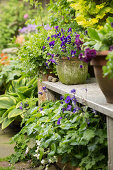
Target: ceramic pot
x,y
70,71
105,83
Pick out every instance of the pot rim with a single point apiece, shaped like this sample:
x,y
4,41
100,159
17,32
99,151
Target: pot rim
x,y
102,53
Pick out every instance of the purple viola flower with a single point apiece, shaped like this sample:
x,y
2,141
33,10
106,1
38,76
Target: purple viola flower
x,y
62,30
112,24
48,38
70,30
62,38
61,97
73,53
111,48
51,44
43,47
41,109
68,58
74,110
69,108
58,122
47,64
44,88
63,109
67,100
63,45
68,39
94,111
56,27
74,100
73,91
20,107
81,66
40,93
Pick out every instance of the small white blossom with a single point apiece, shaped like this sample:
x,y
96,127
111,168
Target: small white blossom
x,y
42,161
46,167
37,156
42,112
42,125
27,150
37,149
38,142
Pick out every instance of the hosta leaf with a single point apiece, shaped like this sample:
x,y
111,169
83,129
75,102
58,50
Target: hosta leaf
x,y
93,34
7,122
7,102
15,112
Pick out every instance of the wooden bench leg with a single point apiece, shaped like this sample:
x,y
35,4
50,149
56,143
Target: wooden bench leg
x,y
110,142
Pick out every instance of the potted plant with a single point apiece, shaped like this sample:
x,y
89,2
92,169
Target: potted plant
x,y
102,41
66,48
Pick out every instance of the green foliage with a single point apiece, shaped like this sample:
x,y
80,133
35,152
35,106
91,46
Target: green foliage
x,y
92,13
18,100
11,19
33,56
10,72
102,39
108,69
77,138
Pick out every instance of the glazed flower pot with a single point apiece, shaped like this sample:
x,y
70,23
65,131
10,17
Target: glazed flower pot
x,y
72,71
105,83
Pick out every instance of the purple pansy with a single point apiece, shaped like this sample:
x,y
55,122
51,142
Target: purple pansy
x,y
40,93
70,30
73,53
61,97
81,66
51,44
112,24
58,122
111,48
69,108
48,38
73,91
20,107
67,100
44,88
41,109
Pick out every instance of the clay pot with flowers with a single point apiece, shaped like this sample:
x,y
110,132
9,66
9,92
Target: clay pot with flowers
x,y
66,49
102,42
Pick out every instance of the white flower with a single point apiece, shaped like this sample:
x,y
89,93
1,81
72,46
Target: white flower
x,y
37,156
46,167
42,125
42,161
27,150
37,149
43,113
38,142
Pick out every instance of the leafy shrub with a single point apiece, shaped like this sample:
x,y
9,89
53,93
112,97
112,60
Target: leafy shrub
x,y
12,19
34,55
18,99
92,13
65,130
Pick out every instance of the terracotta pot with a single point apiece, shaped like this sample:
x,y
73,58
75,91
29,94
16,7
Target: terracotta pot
x,y
66,166
105,83
69,71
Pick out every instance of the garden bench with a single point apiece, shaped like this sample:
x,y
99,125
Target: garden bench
x,y
88,94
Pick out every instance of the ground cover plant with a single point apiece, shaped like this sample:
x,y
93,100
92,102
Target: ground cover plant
x,y
65,130
19,98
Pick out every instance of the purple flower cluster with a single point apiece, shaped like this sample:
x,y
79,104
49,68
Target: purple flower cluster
x,y
28,29
51,60
88,55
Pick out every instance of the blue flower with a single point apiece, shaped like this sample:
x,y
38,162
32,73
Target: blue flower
x,y
56,27
69,108
58,122
81,66
73,91
73,53
63,45
74,100
20,107
112,24
48,38
51,44
74,110
41,109
40,93
70,30
44,88
67,100
61,97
